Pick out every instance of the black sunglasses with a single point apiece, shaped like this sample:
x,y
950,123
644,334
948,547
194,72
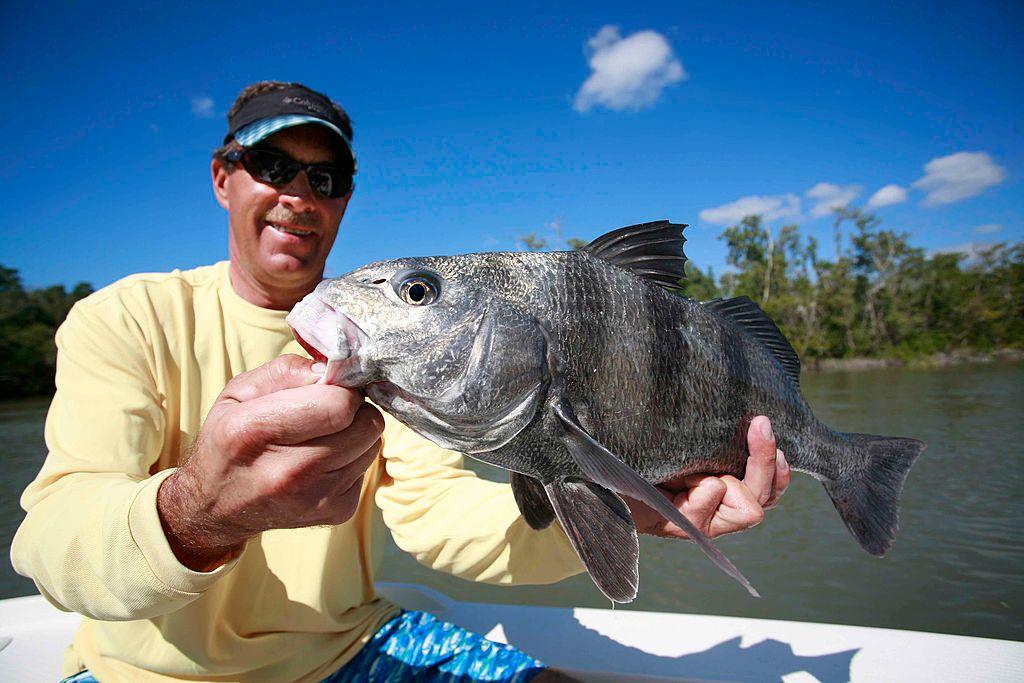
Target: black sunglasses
x,y
275,168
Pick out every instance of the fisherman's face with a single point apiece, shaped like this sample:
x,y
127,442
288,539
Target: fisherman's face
x,y
260,214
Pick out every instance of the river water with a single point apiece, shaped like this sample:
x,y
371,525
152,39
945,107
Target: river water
x,y
958,562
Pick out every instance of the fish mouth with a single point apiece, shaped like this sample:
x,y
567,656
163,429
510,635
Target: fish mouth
x,y
330,337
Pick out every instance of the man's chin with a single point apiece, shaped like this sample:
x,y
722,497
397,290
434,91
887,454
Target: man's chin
x,y
289,252
289,265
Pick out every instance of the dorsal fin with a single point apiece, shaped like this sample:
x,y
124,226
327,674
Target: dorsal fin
x,y
651,250
748,315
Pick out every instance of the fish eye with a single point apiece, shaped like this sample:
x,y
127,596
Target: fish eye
x,y
418,290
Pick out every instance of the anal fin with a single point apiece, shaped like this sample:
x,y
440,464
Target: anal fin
x,y
605,468
532,500
601,530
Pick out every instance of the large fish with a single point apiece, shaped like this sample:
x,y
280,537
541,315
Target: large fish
x,y
588,377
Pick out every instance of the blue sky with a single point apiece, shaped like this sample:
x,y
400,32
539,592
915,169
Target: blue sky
x,y
475,124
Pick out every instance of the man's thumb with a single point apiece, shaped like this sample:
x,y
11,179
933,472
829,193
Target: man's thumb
x,y
286,372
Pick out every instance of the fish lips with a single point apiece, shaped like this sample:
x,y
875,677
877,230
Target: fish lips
x,y
331,337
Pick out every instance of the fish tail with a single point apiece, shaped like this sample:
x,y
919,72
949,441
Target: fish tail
x,y
867,495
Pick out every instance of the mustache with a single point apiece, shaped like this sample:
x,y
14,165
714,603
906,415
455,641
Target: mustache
x,y
279,214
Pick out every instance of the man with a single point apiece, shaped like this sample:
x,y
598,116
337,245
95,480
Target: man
x,y
215,514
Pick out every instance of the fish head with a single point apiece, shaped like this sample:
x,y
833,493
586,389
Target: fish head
x,y
433,343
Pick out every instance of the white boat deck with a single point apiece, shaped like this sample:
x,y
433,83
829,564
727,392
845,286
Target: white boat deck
x,y
605,645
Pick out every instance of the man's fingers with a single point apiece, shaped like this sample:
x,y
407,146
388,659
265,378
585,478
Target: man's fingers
x,y
782,478
285,372
360,440
346,485
723,504
355,468
327,455
760,472
344,502
740,508
292,416
701,502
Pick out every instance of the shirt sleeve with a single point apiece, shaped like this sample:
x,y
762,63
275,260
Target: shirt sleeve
x,y
92,539
451,520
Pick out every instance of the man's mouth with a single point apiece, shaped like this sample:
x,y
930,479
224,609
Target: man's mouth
x,y
289,230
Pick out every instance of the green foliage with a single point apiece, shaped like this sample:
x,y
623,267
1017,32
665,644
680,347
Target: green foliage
x,y
532,242
28,321
880,296
699,285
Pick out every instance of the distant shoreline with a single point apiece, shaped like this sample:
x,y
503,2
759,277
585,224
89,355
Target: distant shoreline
x,y
936,360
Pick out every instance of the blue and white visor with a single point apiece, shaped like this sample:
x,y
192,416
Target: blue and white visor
x,y
264,128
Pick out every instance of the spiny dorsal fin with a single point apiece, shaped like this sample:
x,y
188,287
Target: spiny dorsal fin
x,y
651,250
748,315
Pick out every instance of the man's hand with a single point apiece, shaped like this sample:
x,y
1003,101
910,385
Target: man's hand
x,y
722,505
277,451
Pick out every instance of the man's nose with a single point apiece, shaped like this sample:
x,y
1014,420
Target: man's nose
x,y
297,195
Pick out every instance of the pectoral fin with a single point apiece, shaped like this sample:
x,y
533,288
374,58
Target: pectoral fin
x,y
604,467
532,500
601,530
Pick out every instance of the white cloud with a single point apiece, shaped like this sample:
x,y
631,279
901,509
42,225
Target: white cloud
x,y
828,197
988,229
769,207
628,73
203,107
887,196
958,176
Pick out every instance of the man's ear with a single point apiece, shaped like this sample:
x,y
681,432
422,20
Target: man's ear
x,y
220,173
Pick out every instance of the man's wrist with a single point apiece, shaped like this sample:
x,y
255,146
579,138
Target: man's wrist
x,y
189,532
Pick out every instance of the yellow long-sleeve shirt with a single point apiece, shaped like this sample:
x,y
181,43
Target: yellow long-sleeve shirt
x,y
139,365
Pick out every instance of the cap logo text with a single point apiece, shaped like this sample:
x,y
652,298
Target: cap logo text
x,y
312,106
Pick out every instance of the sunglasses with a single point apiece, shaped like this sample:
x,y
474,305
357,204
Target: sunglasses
x,y
277,169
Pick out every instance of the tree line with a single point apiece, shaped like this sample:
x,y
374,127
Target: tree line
x,y
877,296
28,320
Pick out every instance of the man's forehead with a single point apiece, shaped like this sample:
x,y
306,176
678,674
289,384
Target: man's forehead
x,y
310,144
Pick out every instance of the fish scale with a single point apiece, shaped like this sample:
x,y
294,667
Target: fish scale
x,y
637,318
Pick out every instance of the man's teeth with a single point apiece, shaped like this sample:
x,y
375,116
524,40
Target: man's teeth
x,y
291,231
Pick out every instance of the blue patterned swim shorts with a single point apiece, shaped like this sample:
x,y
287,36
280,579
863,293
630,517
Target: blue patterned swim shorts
x,y
416,646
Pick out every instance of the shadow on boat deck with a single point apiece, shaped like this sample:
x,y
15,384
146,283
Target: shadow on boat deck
x,y
767,660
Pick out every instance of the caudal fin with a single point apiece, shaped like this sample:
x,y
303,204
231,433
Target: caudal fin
x,y
867,497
